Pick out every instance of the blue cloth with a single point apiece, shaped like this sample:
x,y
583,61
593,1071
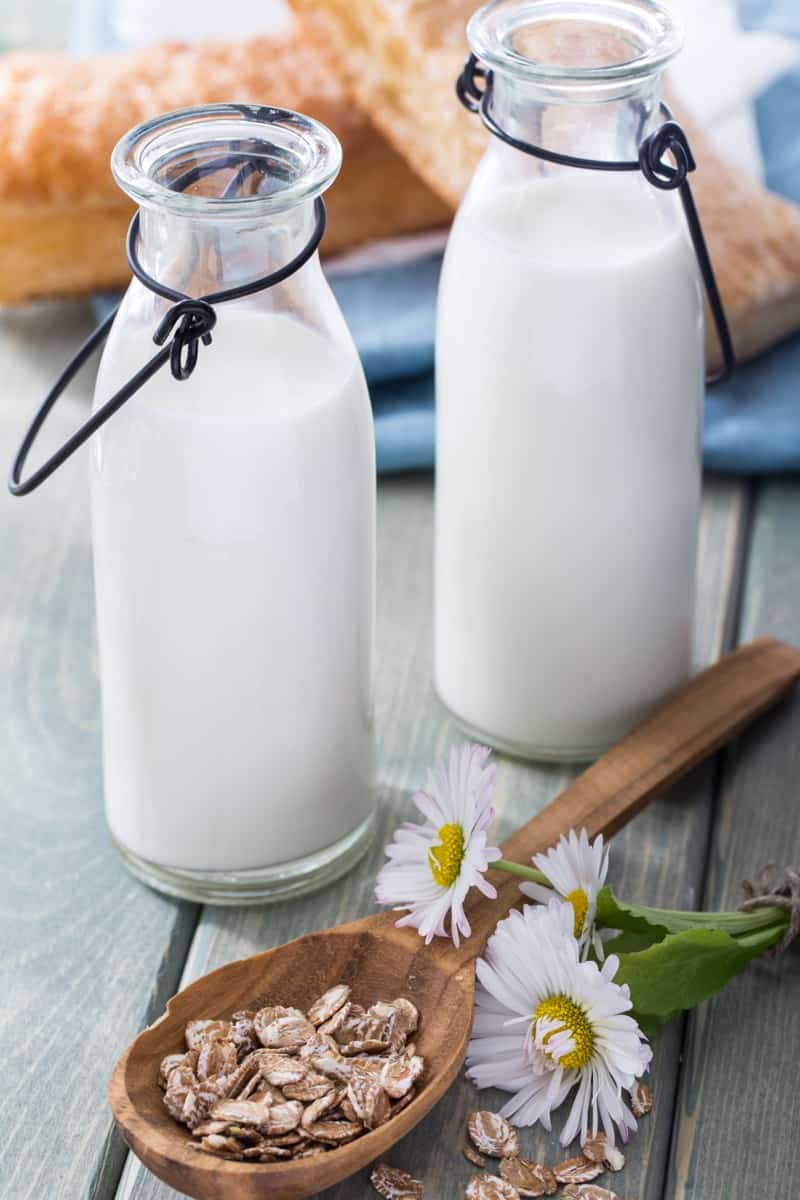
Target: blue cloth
x,y
752,424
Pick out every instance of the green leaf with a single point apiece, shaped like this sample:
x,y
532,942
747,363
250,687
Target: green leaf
x,y
681,971
616,914
632,941
638,918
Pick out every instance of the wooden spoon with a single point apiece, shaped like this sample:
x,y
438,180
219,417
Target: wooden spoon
x,y
380,961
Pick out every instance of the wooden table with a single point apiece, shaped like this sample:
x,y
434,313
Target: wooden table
x,y
89,956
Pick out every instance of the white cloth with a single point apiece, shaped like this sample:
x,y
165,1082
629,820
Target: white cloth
x,y
722,69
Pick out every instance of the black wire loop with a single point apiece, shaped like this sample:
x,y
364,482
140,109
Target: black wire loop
x,y
474,90
467,88
194,320
669,139
183,327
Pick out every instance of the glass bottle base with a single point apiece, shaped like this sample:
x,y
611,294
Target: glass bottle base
x,y
527,751
265,885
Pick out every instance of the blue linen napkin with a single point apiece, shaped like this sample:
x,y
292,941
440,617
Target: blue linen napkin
x,y
752,423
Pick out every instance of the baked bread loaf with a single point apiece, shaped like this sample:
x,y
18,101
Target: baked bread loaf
x,y
62,217
400,60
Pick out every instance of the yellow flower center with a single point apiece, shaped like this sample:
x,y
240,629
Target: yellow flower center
x,y
570,1016
445,859
580,906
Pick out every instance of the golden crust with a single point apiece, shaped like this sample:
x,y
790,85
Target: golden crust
x,y
754,240
62,218
66,252
400,59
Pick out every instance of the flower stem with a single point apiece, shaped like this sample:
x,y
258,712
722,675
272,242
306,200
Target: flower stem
x,y
529,873
734,923
757,929
763,939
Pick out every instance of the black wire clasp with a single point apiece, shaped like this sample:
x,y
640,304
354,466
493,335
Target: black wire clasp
x,y
194,319
668,139
474,90
188,322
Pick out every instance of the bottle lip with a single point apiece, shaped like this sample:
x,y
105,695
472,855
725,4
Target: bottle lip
x,y
299,158
653,33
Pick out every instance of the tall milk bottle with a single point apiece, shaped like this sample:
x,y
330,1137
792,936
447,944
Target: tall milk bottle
x,y
233,526
569,390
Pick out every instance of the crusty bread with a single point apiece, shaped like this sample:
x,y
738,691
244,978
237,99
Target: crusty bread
x,y
62,217
400,59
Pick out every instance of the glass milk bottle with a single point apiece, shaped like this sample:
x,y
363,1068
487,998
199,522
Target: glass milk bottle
x,y
234,529
570,381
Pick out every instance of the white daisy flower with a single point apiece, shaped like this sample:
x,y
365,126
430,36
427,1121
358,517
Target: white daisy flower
x,y
547,1024
432,866
577,869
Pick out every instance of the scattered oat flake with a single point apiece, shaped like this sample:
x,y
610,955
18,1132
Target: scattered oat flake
x,y
599,1149
222,1145
198,1032
285,1139
409,1013
368,1100
365,1046
335,1022
171,1063
322,1106
614,1159
490,1187
528,1177
577,1170
313,1087
394,1184
546,1175
400,1074
288,1031
265,1154
587,1191
641,1098
210,1127
492,1134
279,1068
329,1003
243,1032
594,1148
399,1105
334,1132
257,1089
472,1156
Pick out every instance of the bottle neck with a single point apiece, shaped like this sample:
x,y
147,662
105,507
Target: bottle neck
x,y
606,121
199,256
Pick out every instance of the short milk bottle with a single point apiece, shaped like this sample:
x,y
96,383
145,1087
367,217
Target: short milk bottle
x,y
233,526
570,381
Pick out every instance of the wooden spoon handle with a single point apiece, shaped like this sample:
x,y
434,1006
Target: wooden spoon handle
x,y
702,715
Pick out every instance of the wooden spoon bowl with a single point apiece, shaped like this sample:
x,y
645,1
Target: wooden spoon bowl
x,y
381,962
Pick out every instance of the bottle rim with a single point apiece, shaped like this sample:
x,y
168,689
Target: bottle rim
x,y
298,158
652,31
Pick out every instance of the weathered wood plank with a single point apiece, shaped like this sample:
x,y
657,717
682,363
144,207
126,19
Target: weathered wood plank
x,y
737,1121
87,954
660,857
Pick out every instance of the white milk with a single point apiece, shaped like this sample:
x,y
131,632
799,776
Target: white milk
x,y
234,542
569,393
